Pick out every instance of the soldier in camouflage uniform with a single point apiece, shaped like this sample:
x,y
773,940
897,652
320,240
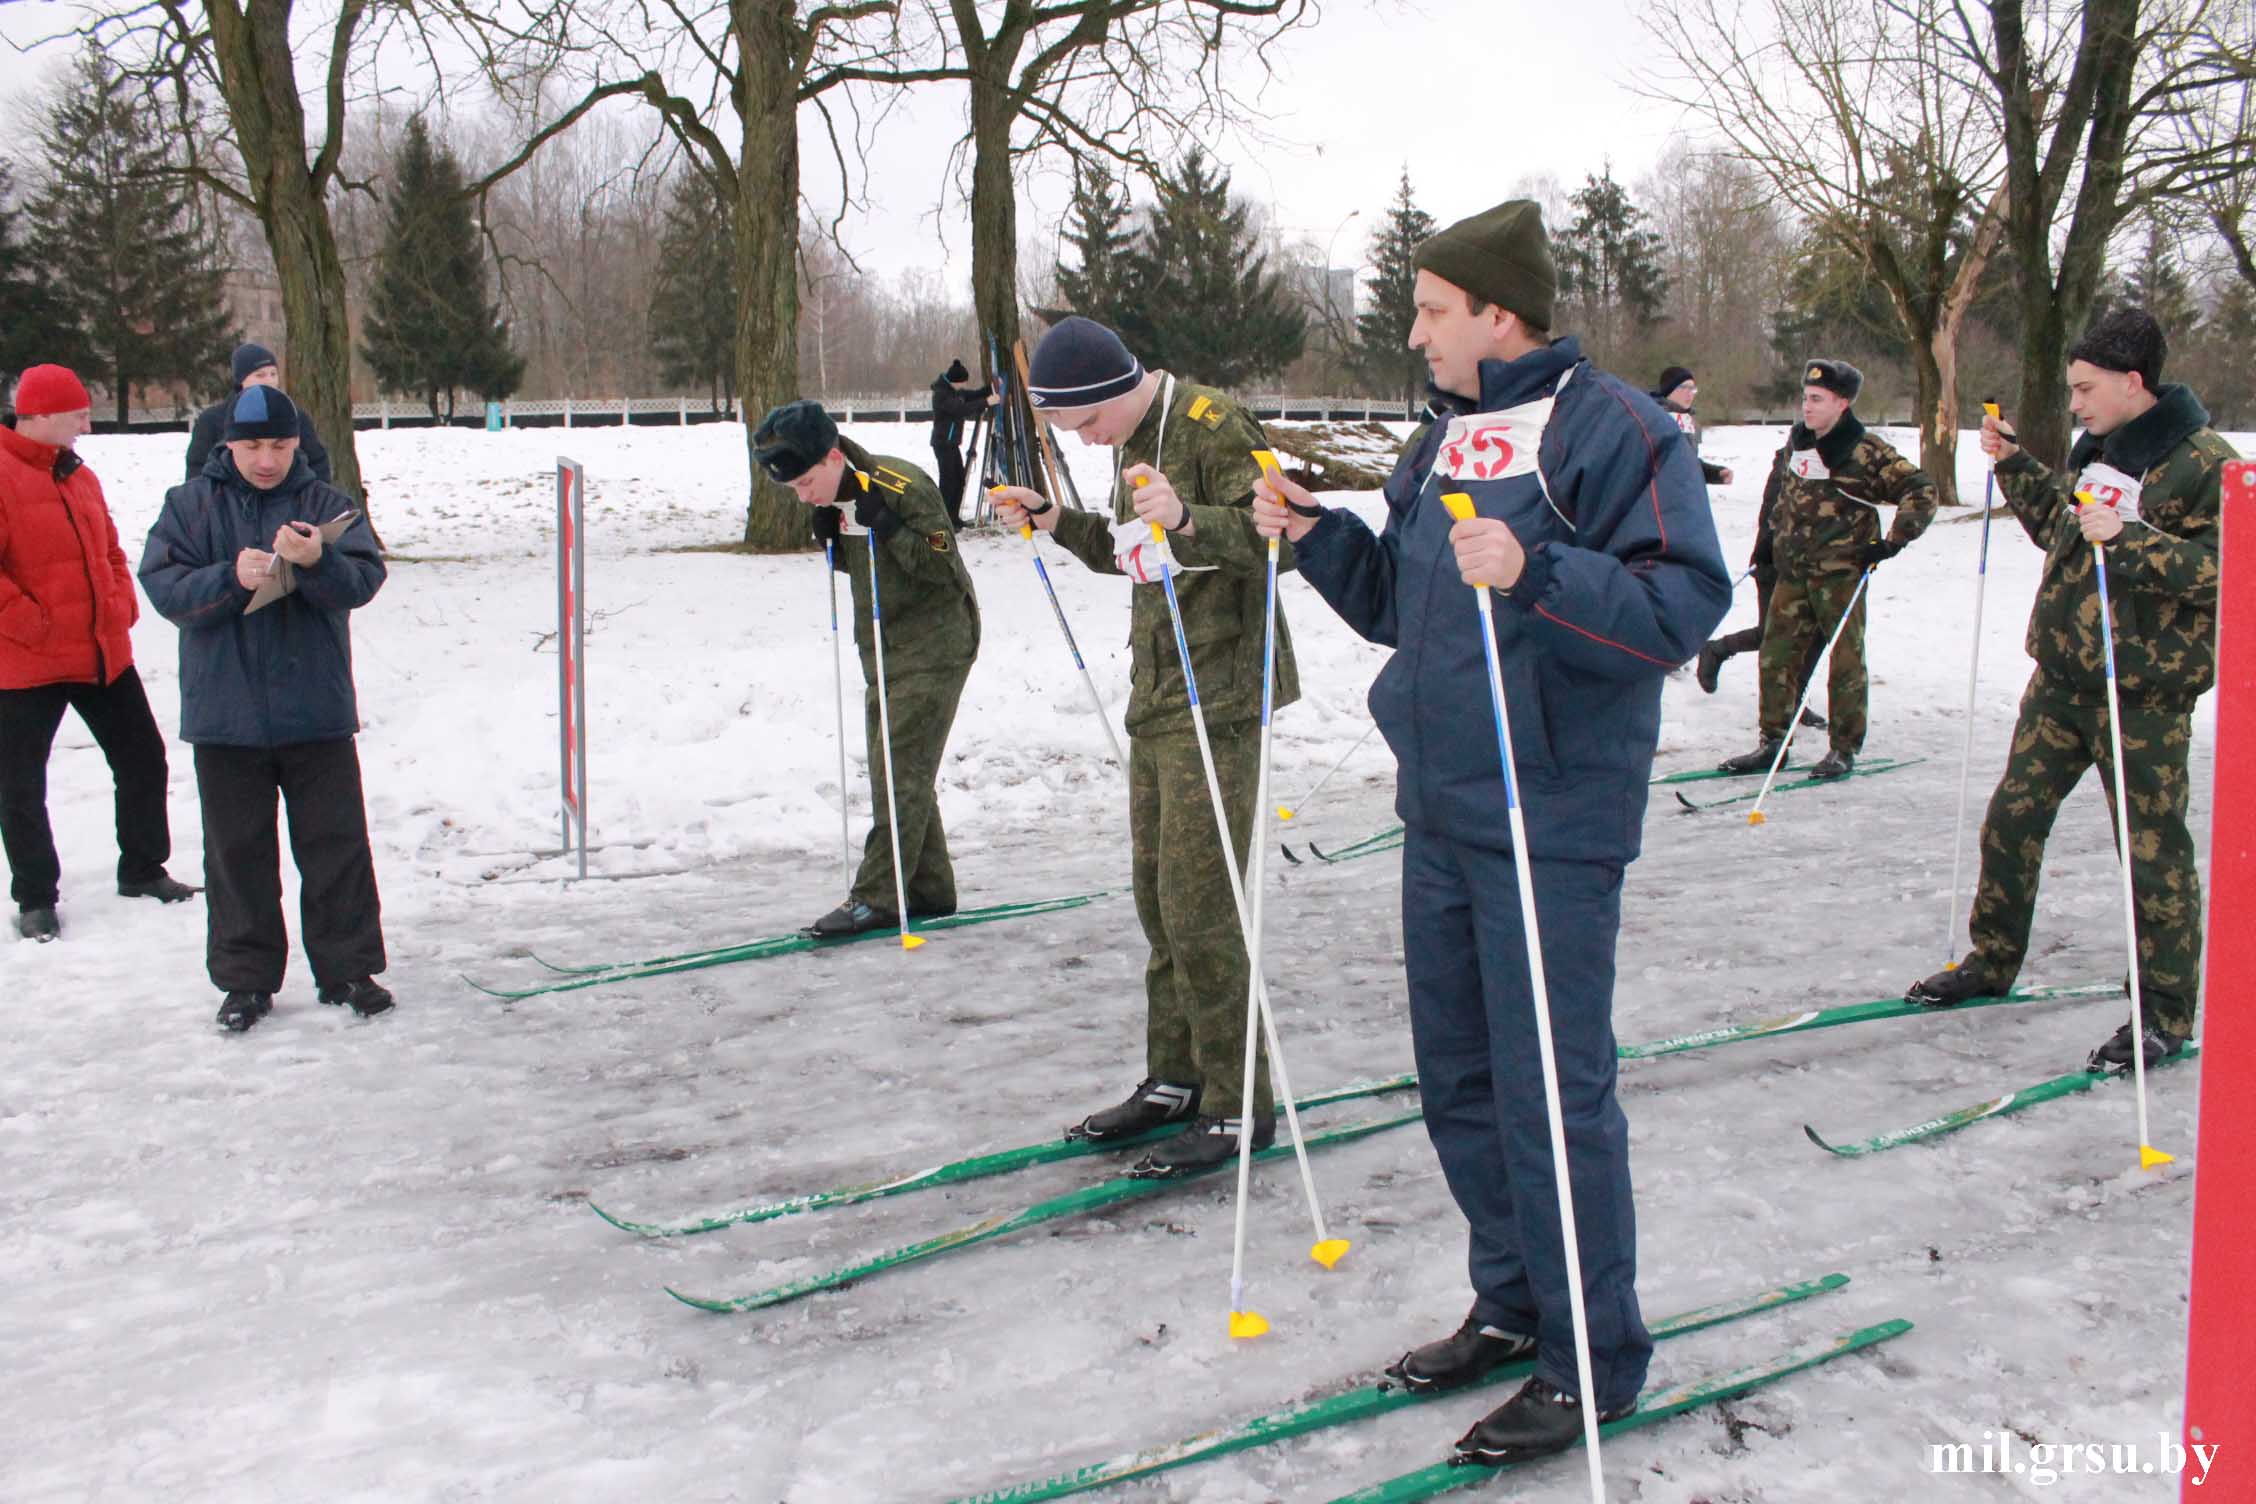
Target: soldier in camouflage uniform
x,y
1822,503
1184,459
2154,467
931,638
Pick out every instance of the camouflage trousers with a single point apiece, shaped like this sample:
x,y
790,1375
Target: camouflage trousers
x,y
1195,982
1804,610
923,710
2054,741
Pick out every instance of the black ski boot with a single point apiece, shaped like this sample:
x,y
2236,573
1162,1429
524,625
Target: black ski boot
x,y
164,888
1471,1352
1207,1144
39,924
853,917
2115,1055
239,1010
1811,720
1953,985
1757,761
1834,764
1153,1104
1704,672
365,997
1536,1422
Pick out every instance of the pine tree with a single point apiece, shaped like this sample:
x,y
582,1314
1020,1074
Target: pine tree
x,y
1211,309
2156,283
693,301
1099,227
32,326
142,297
1610,267
1382,331
430,330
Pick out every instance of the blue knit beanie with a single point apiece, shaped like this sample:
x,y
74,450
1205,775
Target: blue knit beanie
x,y
262,412
1081,363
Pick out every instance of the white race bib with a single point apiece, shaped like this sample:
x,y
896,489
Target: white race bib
x,y
2110,487
1494,446
1808,464
1684,423
1140,556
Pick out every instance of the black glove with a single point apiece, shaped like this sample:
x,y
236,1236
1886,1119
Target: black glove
x,y
826,524
1765,555
1872,555
876,515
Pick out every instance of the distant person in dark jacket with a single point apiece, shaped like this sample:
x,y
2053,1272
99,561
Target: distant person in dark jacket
x,y
254,366
1675,392
66,610
266,699
955,402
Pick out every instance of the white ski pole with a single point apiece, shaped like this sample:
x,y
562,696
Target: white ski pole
x,y
1287,811
1756,816
885,736
838,697
1088,682
1973,679
1460,506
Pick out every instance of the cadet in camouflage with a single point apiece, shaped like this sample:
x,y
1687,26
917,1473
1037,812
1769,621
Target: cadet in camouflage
x,y
2155,470
931,639
1192,447
1822,504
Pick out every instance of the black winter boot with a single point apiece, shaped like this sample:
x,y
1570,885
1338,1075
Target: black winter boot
x,y
1757,761
365,996
1471,1352
1953,985
1704,672
164,888
2115,1055
1536,1422
39,924
853,917
1834,764
1207,1144
239,1010
1153,1104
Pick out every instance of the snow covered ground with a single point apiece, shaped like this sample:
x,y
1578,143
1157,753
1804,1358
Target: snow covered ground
x,y
341,1261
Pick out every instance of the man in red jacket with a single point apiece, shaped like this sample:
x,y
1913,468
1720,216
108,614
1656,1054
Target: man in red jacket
x,y
66,607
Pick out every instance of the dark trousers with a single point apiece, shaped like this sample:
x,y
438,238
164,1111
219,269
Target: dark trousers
x,y
118,715
248,948
948,457
1480,1073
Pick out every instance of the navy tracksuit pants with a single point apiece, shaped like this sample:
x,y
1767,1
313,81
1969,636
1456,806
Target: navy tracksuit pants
x,y
1480,1072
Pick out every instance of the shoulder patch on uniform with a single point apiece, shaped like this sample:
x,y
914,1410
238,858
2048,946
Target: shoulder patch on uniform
x,y
1206,410
938,541
892,480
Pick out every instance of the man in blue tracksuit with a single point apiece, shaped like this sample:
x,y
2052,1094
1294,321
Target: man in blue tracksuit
x,y
1593,528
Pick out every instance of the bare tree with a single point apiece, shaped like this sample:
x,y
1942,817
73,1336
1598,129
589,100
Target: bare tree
x,y
1849,114
1726,243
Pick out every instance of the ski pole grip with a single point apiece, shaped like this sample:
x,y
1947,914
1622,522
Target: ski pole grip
x,y
1159,534
1459,504
1992,409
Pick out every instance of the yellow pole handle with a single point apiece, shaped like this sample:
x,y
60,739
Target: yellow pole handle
x,y
1460,505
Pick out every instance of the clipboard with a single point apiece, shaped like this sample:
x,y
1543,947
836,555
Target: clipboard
x,y
282,579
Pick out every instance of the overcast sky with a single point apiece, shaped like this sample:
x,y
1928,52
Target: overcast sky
x,y
1474,96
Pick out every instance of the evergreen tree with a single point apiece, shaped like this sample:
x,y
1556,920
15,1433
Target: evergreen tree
x,y
1211,310
693,301
1099,227
430,330
138,284
1610,267
32,326
1382,331
2156,283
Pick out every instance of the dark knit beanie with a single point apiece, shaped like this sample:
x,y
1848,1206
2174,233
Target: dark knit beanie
x,y
1671,379
2128,339
1835,376
793,439
248,358
262,412
1500,256
955,375
1081,363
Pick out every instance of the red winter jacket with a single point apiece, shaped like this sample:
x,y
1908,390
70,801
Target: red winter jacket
x,y
67,601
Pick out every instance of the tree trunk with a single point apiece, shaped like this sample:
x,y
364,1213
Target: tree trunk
x,y
994,212
767,253
1934,359
251,45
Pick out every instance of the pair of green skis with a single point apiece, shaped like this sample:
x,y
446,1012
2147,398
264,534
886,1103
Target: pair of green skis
x,y
1121,1190
1365,1401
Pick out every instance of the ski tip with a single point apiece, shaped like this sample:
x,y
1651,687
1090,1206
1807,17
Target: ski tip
x,y
1330,1252
1821,1143
2151,1158
1689,806
1244,1324
1287,850
912,942
1757,817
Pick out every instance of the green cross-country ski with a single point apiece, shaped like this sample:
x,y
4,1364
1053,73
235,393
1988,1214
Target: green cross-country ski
x,y
1861,770
1849,1013
1447,1477
1360,1403
1080,1203
1996,1107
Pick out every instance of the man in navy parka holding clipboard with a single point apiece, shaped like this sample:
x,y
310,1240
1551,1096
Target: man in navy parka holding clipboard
x,y
1593,527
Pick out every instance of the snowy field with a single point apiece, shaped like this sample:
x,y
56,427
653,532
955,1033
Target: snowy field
x,y
334,1260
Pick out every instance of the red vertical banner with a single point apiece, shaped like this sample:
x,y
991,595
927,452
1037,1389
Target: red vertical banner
x,y
2220,1410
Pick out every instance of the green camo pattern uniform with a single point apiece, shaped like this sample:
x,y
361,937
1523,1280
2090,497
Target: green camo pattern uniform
x,y
2162,583
931,639
1822,500
1195,982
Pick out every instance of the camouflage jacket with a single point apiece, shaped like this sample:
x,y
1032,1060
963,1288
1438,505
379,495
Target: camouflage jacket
x,y
1824,495
2161,569
931,612
1208,458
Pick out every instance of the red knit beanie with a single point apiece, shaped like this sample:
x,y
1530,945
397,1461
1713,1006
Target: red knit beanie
x,y
43,390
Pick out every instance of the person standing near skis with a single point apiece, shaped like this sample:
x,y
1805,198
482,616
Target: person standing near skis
x,y
1183,458
1593,530
955,403
2153,465
1822,504
931,627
